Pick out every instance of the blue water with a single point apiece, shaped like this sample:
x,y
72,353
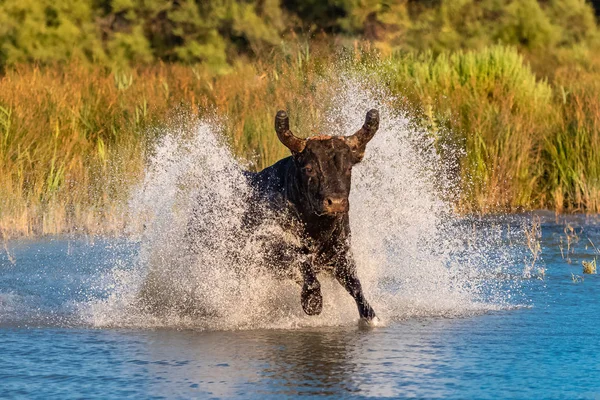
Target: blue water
x,y
548,349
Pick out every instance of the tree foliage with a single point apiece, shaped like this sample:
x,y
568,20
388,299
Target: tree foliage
x,y
216,32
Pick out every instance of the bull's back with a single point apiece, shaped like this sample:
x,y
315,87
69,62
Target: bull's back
x,y
270,184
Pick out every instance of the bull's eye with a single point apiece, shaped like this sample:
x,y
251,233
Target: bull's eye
x,y
308,170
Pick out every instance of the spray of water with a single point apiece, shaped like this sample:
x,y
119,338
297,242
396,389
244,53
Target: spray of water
x,y
414,256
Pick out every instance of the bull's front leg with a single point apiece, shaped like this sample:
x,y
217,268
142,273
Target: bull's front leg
x,y
311,298
345,273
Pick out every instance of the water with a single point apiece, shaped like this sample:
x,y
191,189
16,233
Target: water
x,y
469,308
550,349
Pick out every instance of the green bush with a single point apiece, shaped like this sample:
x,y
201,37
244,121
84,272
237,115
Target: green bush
x,y
48,31
218,32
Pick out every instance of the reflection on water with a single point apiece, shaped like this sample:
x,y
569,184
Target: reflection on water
x,y
229,363
528,353
334,362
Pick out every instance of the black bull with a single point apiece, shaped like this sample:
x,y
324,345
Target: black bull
x,y
308,193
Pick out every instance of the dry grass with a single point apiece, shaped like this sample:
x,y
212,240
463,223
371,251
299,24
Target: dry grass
x,y
73,138
533,235
589,267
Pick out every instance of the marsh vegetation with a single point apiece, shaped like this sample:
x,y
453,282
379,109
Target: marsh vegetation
x,y
510,92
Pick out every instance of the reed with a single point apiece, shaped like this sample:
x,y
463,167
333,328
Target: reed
x,y
74,137
572,148
490,104
589,267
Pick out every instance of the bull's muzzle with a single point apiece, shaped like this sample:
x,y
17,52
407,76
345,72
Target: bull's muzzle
x,y
335,205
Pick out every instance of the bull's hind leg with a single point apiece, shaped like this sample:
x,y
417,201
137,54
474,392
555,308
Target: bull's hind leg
x,y
345,273
311,298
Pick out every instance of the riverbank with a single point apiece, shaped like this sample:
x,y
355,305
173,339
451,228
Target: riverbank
x,y
75,139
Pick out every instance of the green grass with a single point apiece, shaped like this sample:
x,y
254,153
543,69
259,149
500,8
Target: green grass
x,y
491,104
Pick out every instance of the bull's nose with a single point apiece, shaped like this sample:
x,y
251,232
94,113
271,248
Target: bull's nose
x,y
333,205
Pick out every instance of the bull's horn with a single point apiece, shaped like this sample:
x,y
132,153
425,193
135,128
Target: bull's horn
x,y
282,127
359,140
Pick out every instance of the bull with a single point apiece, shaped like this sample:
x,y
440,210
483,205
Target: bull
x,y
310,191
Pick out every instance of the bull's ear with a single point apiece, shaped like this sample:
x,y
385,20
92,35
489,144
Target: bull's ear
x,y
282,127
358,141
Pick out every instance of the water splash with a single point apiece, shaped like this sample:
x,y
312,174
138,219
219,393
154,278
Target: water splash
x,y
414,256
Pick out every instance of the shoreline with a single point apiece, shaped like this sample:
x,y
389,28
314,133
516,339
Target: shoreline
x,y
126,231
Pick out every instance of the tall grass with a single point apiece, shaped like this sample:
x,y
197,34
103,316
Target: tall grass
x,y
74,138
572,150
490,104
528,142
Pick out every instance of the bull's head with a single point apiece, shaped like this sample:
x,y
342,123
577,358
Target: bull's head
x,y
325,162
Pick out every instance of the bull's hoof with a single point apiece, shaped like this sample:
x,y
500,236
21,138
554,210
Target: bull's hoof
x,y
369,323
366,312
312,300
